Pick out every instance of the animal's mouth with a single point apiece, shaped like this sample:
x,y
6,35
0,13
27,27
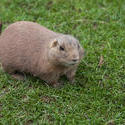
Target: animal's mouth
x,y
73,63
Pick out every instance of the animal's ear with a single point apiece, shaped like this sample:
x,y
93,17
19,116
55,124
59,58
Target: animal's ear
x,y
54,43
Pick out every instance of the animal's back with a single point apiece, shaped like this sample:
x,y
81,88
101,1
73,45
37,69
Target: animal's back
x,y
21,45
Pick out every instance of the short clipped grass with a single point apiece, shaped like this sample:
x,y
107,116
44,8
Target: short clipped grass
x,y
99,96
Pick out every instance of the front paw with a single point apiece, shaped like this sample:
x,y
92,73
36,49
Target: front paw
x,y
73,81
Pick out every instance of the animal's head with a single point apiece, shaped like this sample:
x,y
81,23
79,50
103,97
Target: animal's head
x,y
65,50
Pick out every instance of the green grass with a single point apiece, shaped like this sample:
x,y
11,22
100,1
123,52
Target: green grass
x,y
99,95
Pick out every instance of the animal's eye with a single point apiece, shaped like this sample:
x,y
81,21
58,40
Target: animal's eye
x,y
61,48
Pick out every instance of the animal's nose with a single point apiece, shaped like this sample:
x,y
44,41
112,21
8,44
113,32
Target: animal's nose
x,y
74,60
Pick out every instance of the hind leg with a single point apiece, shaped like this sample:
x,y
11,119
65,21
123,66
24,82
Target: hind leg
x,y
8,69
13,72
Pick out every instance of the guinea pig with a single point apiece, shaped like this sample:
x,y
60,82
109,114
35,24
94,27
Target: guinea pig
x,y
27,47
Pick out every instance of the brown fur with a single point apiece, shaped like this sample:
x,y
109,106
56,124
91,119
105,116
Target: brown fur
x,y
31,48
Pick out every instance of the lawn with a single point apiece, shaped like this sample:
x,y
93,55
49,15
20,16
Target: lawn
x,y
99,95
